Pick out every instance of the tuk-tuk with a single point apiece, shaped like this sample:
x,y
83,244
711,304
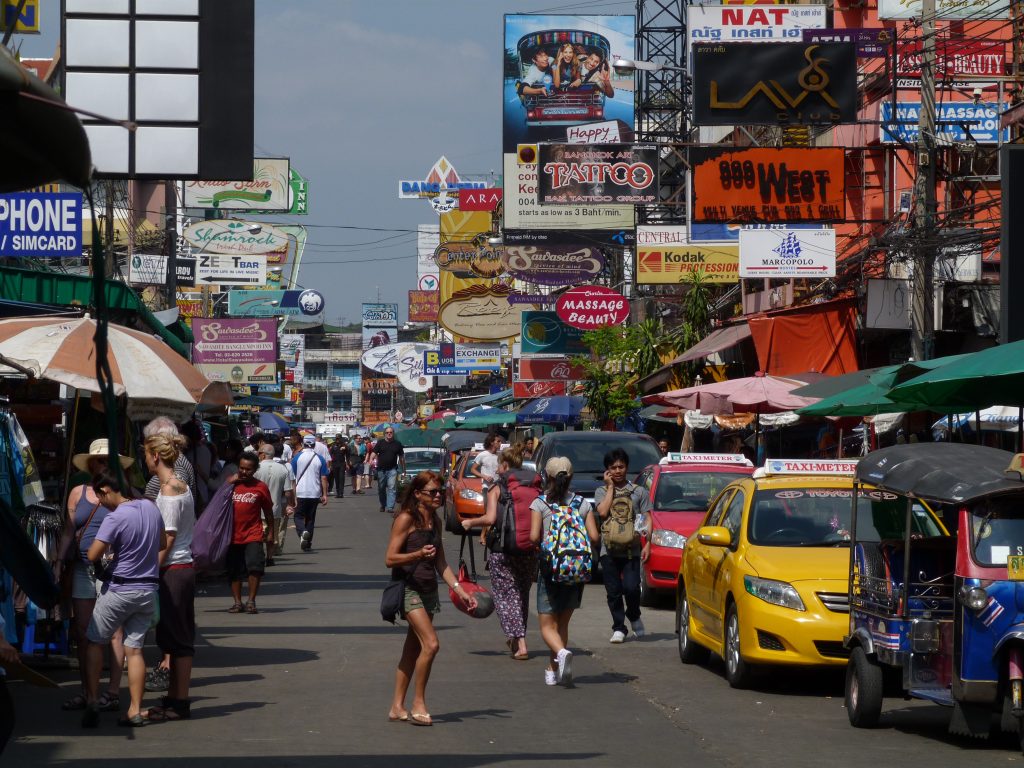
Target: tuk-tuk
x,y
565,106
941,614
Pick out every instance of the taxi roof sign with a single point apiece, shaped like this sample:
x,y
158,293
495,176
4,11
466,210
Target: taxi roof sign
x,y
706,458
774,467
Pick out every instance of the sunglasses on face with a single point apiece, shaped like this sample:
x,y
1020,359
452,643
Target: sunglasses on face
x,y
432,491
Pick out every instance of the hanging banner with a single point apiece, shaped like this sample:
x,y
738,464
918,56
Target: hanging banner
x,y
788,253
293,353
423,306
759,184
428,237
239,373
774,84
525,390
583,174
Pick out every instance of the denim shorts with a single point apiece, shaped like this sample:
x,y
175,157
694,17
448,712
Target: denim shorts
x,y
84,585
555,597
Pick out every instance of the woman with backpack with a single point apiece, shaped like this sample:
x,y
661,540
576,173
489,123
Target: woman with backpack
x,y
563,523
416,555
512,563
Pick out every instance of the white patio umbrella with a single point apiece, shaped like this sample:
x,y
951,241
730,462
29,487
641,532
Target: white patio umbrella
x,y
144,368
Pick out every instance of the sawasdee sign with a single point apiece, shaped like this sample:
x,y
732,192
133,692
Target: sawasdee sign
x,y
774,83
580,174
763,184
588,307
553,265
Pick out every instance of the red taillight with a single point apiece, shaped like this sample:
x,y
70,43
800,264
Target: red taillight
x,y
531,114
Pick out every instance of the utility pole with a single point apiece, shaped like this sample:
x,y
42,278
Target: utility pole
x,y
922,310
171,243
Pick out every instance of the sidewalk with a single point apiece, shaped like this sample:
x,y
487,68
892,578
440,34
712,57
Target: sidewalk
x,y
308,681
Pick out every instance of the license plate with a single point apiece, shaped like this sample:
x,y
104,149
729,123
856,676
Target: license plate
x,y
1015,567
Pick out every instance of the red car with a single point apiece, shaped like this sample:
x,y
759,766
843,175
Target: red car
x,y
463,493
681,487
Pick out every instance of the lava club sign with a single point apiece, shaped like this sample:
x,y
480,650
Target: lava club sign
x,y
592,306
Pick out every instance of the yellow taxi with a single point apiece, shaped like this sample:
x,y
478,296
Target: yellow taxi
x,y
764,579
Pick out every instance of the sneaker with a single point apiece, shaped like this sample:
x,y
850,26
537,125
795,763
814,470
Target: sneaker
x,y
564,674
638,628
549,677
307,541
618,637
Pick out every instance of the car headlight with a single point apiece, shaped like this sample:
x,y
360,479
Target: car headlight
x,y
774,592
469,493
663,538
974,598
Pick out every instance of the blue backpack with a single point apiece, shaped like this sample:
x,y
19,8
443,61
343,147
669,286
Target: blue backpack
x,y
566,556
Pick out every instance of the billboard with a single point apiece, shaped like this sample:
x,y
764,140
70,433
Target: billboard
x,y
871,43
306,304
961,57
428,237
549,369
553,265
522,390
223,340
544,334
231,236
774,83
584,174
293,353
380,315
475,258
423,306
957,121
763,184
240,373
788,253
751,23
269,191
946,9
41,224
665,256
482,313
486,199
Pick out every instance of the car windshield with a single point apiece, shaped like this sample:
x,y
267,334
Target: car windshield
x,y
690,491
587,456
997,530
820,517
421,459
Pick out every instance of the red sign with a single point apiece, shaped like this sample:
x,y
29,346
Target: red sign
x,y
522,390
479,199
954,57
592,306
423,306
546,369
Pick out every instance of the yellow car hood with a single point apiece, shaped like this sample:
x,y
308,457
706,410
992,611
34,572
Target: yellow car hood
x,y
795,564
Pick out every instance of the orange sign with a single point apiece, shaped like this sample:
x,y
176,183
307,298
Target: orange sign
x,y
768,185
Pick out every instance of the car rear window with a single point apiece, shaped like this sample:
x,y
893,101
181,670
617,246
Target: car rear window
x,y
587,455
690,491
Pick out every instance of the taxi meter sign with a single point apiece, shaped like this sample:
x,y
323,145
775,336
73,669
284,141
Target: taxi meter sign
x,y
808,467
707,458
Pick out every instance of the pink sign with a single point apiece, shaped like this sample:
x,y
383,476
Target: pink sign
x,y
227,340
592,306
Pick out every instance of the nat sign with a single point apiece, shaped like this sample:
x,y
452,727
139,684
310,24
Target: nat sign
x,y
774,83
575,174
768,185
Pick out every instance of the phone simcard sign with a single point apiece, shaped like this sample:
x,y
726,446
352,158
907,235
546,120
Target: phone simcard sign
x,y
41,224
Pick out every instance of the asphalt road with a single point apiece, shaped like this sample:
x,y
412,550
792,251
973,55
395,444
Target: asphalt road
x,y
307,682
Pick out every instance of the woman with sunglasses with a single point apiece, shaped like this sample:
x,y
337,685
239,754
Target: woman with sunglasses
x,y
416,554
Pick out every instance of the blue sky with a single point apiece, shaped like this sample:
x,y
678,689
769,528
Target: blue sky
x,y
360,95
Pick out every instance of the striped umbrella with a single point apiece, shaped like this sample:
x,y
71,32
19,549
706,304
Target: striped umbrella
x,y
143,367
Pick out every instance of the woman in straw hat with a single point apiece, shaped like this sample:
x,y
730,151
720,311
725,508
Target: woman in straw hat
x,y
85,514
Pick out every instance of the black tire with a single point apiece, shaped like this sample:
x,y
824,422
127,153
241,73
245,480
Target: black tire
x,y
737,671
648,596
689,651
451,521
864,690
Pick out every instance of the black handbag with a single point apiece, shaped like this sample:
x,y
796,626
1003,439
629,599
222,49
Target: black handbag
x,y
391,601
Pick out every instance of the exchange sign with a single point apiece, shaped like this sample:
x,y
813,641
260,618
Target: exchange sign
x,y
580,174
788,253
761,184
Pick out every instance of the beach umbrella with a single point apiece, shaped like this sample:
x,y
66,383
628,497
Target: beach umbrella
x,y
273,422
144,368
560,409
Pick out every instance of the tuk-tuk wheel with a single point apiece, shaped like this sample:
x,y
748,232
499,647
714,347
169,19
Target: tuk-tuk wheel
x,y
864,690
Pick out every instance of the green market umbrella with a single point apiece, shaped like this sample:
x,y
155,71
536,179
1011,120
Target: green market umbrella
x,y
834,385
483,417
994,376
865,400
414,437
443,424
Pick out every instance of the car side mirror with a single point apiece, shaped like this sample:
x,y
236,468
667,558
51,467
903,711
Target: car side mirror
x,y
714,536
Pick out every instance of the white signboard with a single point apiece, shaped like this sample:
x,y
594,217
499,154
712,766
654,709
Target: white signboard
x,y
147,269
386,358
752,23
948,9
237,237
225,269
342,417
476,357
606,132
269,189
410,370
428,238
662,235
787,253
959,263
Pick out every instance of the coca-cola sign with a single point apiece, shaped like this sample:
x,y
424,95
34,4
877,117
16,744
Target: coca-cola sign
x,y
522,390
553,265
557,369
588,307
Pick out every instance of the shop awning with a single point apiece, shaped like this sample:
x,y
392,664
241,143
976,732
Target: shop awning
x,y
716,341
62,290
821,337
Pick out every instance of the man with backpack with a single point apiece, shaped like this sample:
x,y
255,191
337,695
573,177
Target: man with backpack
x,y
618,503
311,472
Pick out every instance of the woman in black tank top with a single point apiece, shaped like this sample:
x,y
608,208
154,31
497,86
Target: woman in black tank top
x,y
416,554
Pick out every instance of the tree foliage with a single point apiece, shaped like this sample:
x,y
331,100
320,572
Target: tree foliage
x,y
696,325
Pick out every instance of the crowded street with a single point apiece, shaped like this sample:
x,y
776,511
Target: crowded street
x,y
306,683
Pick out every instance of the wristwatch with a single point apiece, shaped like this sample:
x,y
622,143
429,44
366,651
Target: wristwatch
x,y
455,586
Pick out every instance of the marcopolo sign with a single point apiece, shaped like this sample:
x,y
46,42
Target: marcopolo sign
x,y
41,224
788,253
588,307
235,237
580,174
762,184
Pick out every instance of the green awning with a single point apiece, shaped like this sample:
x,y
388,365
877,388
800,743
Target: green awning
x,y
64,290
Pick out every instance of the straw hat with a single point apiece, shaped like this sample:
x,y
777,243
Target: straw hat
x,y
99,447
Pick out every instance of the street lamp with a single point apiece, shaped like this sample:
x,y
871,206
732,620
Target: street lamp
x,y
624,67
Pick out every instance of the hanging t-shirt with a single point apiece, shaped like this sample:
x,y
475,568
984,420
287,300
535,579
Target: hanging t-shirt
x,y
250,501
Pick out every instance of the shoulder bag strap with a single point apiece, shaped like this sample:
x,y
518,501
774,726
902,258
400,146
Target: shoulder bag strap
x,y
81,531
303,472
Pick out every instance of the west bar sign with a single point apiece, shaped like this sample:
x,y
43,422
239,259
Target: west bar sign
x,y
41,224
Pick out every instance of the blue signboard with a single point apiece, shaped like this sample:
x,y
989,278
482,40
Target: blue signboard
x,y
545,334
441,362
307,303
41,224
953,121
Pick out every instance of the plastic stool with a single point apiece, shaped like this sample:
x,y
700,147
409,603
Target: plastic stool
x,y
58,633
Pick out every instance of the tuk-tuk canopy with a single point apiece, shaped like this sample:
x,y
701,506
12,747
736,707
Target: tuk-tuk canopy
x,y
945,472
552,39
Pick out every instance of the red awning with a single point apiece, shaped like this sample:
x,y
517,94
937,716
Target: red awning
x,y
818,338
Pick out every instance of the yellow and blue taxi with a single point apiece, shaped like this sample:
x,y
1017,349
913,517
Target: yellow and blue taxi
x,y
763,581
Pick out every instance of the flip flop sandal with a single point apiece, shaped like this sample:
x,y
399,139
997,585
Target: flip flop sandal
x,y
74,704
250,607
419,718
236,608
521,656
403,718
109,702
137,721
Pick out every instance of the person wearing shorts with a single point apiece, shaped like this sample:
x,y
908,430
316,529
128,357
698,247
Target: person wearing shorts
x,y
246,558
355,458
133,531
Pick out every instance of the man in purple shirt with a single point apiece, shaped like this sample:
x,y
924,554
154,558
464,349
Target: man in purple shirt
x,y
133,531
